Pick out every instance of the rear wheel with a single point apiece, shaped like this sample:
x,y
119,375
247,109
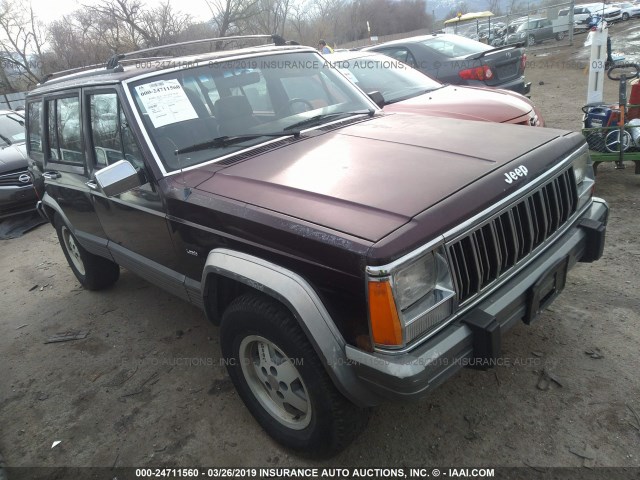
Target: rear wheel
x,y
282,381
92,271
560,36
625,16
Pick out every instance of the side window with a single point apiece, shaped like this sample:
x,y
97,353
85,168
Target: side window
x,y
34,129
401,54
111,135
64,135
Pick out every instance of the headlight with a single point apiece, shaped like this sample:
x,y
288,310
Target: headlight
x,y
410,299
584,177
412,282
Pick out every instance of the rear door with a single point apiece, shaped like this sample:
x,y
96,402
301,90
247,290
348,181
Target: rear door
x,y
65,168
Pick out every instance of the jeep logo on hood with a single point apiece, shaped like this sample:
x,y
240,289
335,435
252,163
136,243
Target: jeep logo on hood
x,y
513,175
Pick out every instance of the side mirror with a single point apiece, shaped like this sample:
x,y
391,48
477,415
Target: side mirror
x,y
118,178
377,98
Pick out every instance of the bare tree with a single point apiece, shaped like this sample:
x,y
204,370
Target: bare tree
x,y
270,17
230,16
22,38
494,6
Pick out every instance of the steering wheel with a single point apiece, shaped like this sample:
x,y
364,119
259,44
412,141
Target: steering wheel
x,y
629,71
293,101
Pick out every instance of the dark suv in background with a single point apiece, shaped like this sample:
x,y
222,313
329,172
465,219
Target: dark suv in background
x,y
348,256
17,194
536,30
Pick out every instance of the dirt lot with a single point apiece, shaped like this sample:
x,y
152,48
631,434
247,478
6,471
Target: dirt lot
x,y
146,387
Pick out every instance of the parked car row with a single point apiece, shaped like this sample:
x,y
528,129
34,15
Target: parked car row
x,y
584,14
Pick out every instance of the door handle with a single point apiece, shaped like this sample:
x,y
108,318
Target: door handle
x,y
92,184
51,175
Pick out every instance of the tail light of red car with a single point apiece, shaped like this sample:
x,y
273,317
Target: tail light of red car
x,y
477,73
523,62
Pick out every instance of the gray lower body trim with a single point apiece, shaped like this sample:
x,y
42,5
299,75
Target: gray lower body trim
x,y
194,292
421,369
94,244
159,275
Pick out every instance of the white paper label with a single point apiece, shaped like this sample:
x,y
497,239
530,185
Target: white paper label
x,y
166,102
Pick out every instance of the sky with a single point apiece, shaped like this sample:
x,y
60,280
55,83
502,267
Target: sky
x,y
43,8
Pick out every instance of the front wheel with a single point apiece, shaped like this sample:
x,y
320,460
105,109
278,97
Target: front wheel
x,y
282,381
531,41
92,271
625,16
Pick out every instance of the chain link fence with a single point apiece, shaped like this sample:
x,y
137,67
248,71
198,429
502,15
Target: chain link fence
x,y
539,27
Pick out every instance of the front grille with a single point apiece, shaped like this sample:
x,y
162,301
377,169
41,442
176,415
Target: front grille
x,y
480,257
11,179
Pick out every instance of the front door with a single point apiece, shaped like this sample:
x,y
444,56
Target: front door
x,y
135,221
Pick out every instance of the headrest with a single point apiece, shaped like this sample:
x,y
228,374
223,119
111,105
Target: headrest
x,y
227,108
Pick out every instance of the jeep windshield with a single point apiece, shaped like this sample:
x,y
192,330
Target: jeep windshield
x,y
253,100
394,79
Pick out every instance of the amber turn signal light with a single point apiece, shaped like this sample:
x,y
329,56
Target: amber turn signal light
x,y
385,324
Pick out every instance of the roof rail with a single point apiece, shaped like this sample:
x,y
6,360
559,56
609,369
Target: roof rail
x,y
114,63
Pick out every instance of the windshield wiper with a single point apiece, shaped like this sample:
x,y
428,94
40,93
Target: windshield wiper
x,y
226,141
6,140
322,116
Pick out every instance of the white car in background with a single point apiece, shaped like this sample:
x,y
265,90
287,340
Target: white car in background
x,y
609,12
628,9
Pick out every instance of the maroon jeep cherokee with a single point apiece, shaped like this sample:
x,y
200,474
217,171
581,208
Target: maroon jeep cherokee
x,y
349,256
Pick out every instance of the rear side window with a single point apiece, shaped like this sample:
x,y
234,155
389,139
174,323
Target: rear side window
x,y
64,131
34,130
401,54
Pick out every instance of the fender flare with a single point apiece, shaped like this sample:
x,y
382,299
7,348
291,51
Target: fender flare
x,y
299,297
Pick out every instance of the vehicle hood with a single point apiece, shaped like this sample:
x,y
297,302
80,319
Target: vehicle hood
x,y
13,157
468,103
372,177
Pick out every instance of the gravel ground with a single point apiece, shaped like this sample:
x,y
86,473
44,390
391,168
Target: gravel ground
x,y
146,386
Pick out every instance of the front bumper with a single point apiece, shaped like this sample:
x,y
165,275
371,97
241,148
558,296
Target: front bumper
x,y
474,338
17,199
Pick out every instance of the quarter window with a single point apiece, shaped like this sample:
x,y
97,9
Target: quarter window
x,y
35,130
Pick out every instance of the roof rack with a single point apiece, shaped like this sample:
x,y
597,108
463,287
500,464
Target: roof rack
x,y
114,64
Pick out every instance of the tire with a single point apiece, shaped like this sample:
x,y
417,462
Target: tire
x,y
560,36
92,271
625,16
531,41
303,410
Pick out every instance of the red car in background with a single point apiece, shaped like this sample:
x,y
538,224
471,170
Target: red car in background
x,y
405,89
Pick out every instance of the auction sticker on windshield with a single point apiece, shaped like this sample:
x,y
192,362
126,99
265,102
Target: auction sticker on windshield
x,y
165,102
